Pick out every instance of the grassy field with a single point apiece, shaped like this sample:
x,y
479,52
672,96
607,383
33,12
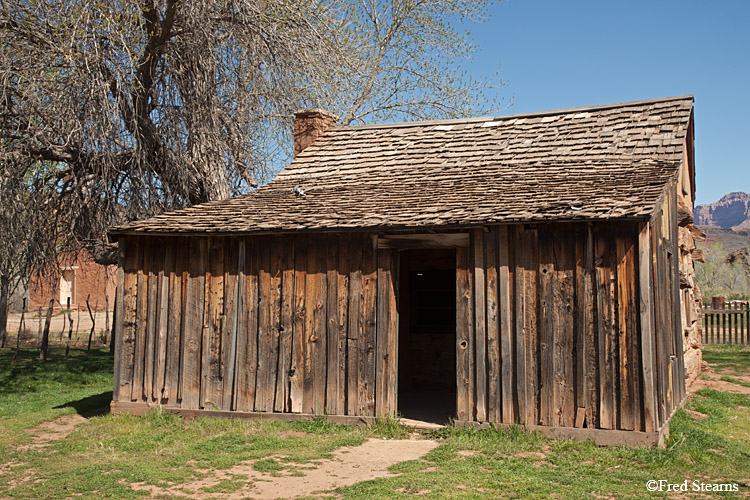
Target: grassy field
x,y
106,455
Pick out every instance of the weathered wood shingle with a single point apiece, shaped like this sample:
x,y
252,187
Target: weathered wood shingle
x,y
606,162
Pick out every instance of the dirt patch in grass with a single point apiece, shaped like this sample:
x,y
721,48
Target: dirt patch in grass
x,y
527,454
710,380
48,432
696,414
347,466
469,453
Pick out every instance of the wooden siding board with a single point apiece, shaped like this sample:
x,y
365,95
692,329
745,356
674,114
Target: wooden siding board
x,y
119,323
679,376
144,257
229,330
162,320
267,354
247,349
480,340
494,393
645,304
177,322
464,317
213,325
334,382
661,359
507,367
526,329
276,248
239,324
547,410
315,348
580,323
151,320
381,342
297,377
193,323
590,332
355,329
564,339
368,313
605,317
342,326
624,331
286,328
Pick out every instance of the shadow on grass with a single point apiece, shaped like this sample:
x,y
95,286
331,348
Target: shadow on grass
x,y
28,373
91,406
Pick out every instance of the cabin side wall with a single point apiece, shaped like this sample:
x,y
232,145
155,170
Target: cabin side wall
x,y
258,324
570,325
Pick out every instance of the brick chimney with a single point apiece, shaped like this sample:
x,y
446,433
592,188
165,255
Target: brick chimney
x,y
309,124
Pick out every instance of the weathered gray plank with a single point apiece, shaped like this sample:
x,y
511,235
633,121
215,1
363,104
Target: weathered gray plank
x,y
162,319
274,333
213,322
118,327
506,327
141,318
151,320
297,370
229,325
356,325
527,331
193,324
646,301
547,243
480,339
247,351
368,312
286,328
264,390
464,331
494,401
335,383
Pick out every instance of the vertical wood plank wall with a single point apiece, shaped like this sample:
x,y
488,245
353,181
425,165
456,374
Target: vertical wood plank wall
x,y
561,325
295,324
570,325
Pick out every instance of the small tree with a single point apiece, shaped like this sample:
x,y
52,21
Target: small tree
x,y
721,275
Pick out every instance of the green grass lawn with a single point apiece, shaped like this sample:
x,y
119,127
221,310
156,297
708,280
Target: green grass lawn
x,y
107,454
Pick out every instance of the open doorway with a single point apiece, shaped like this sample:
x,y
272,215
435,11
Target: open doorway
x,y
427,335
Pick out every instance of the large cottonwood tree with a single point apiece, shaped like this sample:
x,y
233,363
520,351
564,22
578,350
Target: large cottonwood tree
x,y
141,106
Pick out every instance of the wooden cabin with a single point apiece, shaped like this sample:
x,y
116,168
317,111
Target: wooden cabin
x,y
516,269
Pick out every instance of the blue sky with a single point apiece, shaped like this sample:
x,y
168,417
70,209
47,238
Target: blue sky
x,y
560,54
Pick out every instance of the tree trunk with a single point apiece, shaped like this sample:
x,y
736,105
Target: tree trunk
x,y
47,322
21,328
4,291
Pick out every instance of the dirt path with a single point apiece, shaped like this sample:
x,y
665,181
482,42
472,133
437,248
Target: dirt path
x,y
348,466
47,433
43,434
709,379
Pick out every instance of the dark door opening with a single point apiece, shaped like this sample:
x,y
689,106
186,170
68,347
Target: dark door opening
x,y
427,335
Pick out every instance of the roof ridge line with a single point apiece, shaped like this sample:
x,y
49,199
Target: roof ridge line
x,y
533,114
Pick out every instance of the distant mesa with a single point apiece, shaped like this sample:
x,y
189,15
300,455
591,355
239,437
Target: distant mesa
x,y
730,212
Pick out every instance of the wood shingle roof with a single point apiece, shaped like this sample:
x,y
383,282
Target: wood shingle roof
x,y
597,163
